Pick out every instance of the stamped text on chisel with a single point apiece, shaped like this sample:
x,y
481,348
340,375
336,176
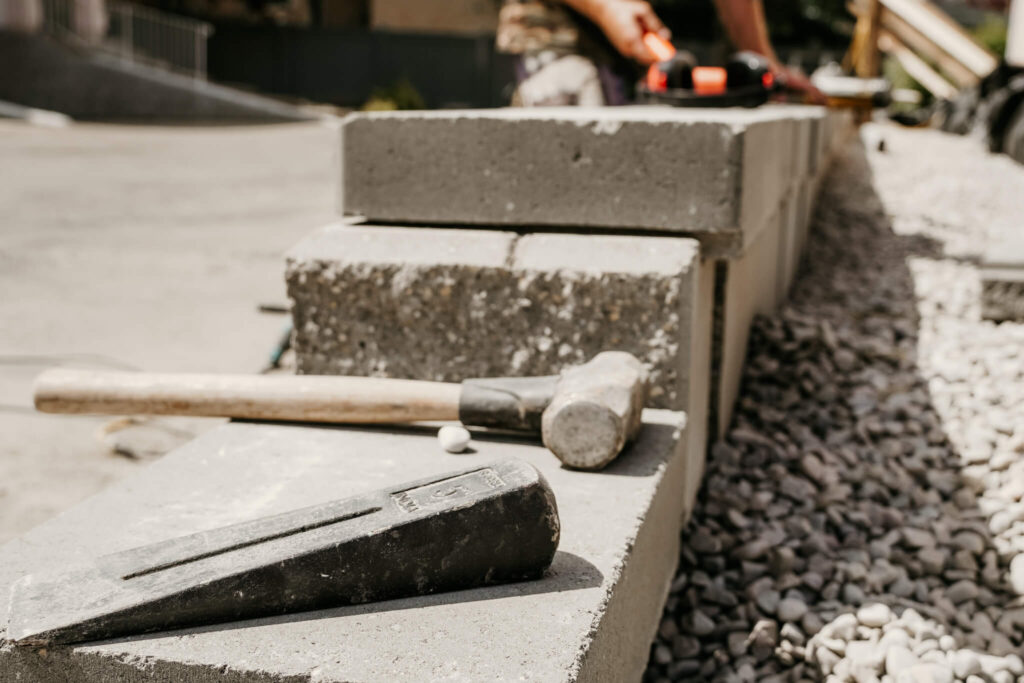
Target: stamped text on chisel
x,y
441,493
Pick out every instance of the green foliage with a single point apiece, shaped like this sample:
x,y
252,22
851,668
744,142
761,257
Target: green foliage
x,y
991,33
400,95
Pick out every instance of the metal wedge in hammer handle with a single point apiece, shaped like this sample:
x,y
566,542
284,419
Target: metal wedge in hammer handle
x,y
293,398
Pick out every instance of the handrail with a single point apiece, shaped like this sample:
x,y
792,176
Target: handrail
x,y
133,33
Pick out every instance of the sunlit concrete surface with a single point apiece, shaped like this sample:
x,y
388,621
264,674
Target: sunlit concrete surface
x,y
137,247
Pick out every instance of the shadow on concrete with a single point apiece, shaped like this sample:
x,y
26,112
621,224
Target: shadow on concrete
x,y
641,458
568,572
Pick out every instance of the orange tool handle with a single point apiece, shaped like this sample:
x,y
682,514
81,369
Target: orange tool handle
x,y
657,80
709,80
659,47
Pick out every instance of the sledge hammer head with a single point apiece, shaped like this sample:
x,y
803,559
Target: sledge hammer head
x,y
585,415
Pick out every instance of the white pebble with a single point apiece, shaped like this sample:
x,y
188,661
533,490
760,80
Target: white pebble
x,y
453,438
966,663
874,615
1017,574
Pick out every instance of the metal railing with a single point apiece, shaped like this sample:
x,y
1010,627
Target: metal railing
x,y
133,33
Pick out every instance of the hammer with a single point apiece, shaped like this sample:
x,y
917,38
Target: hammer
x,y
585,415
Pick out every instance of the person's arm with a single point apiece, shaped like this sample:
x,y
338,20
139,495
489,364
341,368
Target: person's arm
x,y
745,23
624,22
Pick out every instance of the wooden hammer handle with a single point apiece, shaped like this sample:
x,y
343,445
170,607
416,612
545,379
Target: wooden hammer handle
x,y
301,398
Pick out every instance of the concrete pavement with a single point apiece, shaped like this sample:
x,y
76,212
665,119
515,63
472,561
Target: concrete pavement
x,y
144,247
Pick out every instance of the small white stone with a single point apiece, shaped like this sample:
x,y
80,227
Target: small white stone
x,y
926,673
875,615
894,636
1017,574
836,645
453,438
965,663
843,627
827,660
897,659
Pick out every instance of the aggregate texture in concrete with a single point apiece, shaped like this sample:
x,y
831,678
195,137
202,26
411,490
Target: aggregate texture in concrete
x,y
429,302
445,304
590,618
144,247
715,174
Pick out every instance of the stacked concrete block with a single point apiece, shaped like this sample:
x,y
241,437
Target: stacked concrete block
x,y
750,287
446,304
591,617
717,175
678,227
740,182
820,139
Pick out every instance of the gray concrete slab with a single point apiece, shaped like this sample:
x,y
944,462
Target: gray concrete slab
x,y
713,174
445,304
591,618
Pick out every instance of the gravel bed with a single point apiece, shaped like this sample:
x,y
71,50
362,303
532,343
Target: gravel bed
x,y
863,520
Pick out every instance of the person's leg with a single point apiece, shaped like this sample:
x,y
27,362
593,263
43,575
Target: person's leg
x,y
549,80
560,63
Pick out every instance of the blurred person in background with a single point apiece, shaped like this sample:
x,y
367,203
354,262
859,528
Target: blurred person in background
x,y
591,52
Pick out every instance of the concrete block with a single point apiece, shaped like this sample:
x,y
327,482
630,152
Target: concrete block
x,y
815,145
1002,294
824,143
591,618
713,174
804,140
789,248
698,403
1002,281
445,304
840,126
805,200
750,287
759,280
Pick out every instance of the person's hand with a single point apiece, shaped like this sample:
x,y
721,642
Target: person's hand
x,y
624,22
796,82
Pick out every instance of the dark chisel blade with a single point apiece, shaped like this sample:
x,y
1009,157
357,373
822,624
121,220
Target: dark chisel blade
x,y
487,525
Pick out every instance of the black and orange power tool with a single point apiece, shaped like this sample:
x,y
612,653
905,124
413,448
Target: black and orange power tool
x,y
746,80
